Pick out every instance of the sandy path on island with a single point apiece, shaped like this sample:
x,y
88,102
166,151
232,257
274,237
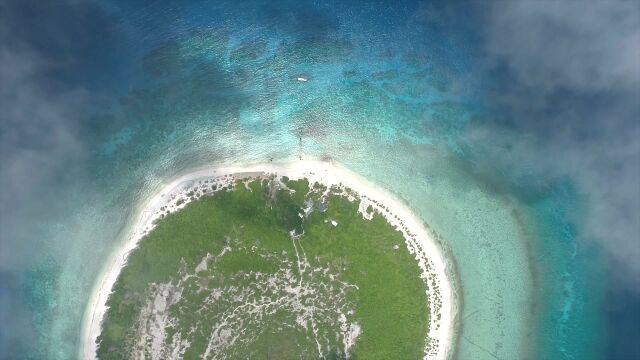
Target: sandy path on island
x,y
397,214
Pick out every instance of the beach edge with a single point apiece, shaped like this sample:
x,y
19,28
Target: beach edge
x,y
433,258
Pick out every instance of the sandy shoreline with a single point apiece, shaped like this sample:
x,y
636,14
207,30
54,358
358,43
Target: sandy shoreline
x,y
431,258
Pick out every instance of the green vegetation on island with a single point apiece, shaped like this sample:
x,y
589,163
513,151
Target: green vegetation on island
x,y
268,269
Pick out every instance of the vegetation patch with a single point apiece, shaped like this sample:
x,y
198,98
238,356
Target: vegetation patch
x,y
269,269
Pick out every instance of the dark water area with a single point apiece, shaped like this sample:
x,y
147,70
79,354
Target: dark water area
x,y
623,312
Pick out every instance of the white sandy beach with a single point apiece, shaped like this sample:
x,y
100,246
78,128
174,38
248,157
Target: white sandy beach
x,y
431,258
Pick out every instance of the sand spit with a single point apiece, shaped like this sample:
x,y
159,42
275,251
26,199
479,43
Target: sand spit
x,y
437,271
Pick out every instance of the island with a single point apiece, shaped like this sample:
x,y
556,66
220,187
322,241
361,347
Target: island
x,y
293,261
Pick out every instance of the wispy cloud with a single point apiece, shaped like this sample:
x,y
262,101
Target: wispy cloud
x,y
570,90
38,145
582,46
41,147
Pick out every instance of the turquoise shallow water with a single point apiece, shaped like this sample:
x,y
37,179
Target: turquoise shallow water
x,y
393,93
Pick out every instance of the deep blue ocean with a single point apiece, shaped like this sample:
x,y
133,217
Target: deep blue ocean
x,y
526,170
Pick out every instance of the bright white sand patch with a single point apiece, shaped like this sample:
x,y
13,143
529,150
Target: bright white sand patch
x,y
428,252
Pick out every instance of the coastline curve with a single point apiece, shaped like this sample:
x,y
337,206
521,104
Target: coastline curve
x,y
433,259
